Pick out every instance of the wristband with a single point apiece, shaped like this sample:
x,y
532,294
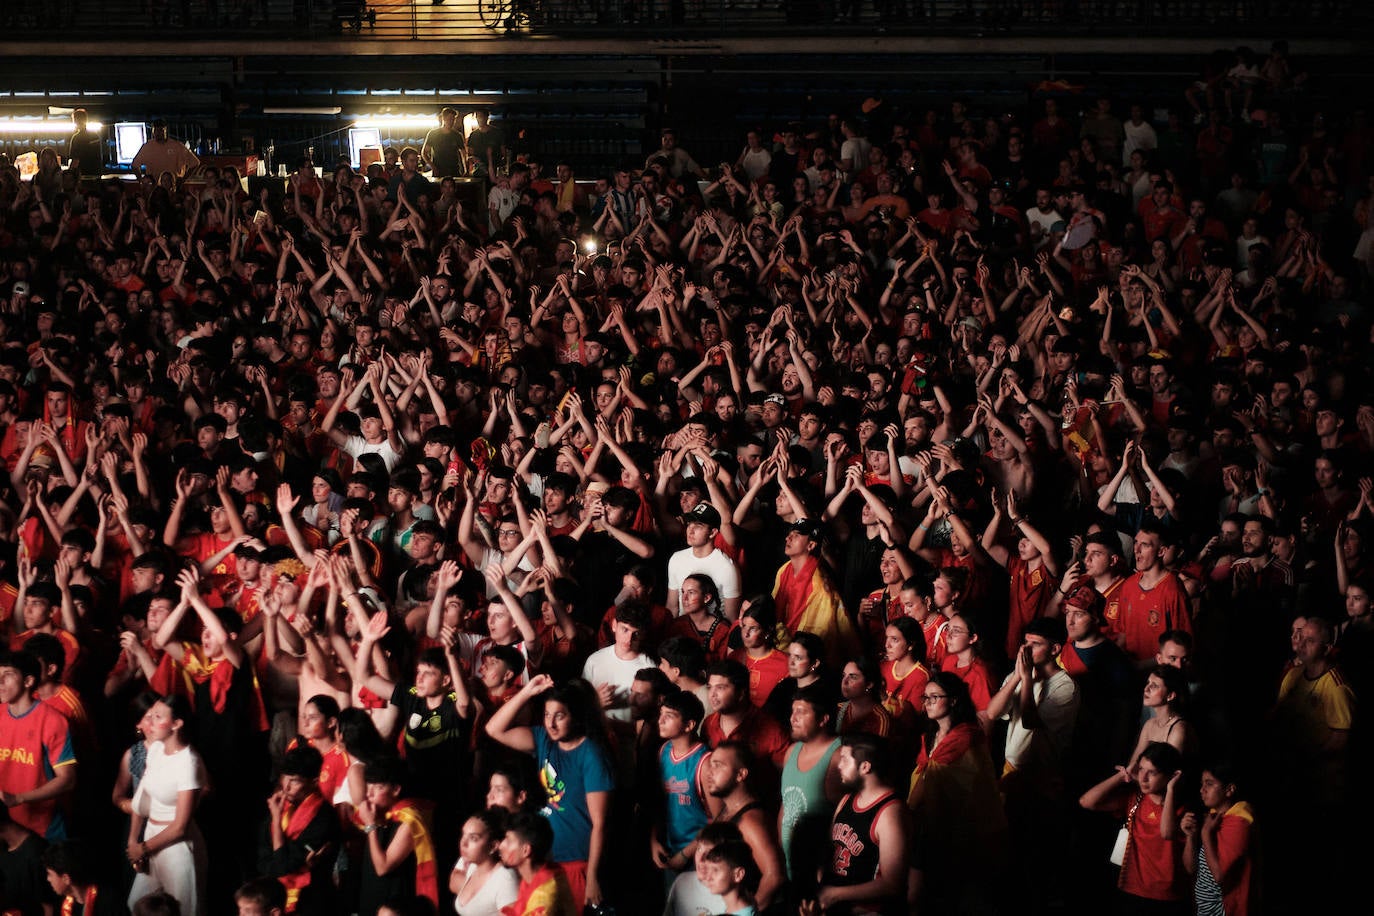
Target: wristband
x,y
369,829
923,527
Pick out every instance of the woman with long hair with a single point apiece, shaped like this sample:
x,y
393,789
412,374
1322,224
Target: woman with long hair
x,y
1166,697
904,670
363,744
326,501
480,884
758,633
701,617
805,666
955,801
319,726
961,633
575,770
165,845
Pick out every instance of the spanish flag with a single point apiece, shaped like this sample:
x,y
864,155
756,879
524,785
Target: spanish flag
x,y
426,877
806,601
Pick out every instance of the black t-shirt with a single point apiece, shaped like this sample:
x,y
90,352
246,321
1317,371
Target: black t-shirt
x,y
375,890
89,149
436,742
446,146
23,879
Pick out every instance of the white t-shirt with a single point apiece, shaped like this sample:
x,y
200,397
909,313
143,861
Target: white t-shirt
x,y
1140,136
756,162
503,201
1045,219
689,897
1056,702
605,667
855,149
716,564
501,889
167,775
357,445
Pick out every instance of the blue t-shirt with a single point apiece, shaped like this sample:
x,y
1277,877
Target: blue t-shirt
x,y
567,777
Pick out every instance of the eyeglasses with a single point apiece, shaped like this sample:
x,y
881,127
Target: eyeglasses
x,y
931,698
956,631
508,533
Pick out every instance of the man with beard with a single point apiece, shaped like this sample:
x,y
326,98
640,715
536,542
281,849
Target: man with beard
x,y
810,785
727,780
868,868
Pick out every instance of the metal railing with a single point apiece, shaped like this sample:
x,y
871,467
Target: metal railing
x,y
402,20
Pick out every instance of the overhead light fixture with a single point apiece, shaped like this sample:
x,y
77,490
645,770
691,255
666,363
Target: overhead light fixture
x,y
46,126
304,110
397,122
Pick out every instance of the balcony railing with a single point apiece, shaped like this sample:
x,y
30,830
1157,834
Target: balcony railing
x,y
413,20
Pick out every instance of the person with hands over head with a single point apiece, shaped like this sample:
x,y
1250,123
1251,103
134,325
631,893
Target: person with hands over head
x,y
380,435
576,772
1032,570
435,712
1152,877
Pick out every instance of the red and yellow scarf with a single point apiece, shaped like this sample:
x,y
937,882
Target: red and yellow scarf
x,y
293,824
426,876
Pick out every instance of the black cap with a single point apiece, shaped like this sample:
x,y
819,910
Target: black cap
x,y
705,514
809,527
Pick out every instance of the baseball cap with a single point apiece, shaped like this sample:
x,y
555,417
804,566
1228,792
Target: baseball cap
x,y
776,399
809,527
705,514
1087,598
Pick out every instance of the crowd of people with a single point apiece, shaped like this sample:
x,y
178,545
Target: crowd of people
x,y
925,512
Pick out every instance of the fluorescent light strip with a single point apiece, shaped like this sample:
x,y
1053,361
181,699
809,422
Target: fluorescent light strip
x,y
42,126
400,122
318,110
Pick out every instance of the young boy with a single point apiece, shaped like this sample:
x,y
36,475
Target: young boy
x,y
730,873
71,875
689,895
543,886
681,762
